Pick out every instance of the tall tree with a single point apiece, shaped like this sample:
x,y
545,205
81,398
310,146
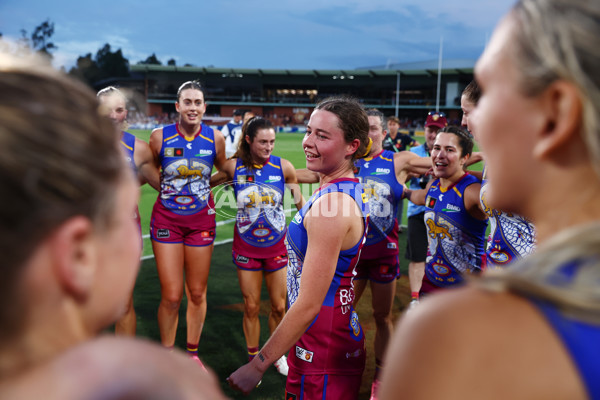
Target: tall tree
x,y
40,38
151,60
106,64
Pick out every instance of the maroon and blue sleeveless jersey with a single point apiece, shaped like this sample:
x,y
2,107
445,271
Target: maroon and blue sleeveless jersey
x,y
511,236
260,222
378,177
334,342
456,239
186,166
580,338
128,146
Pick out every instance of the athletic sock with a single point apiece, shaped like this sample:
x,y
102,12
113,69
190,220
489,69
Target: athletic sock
x,y
414,295
252,352
192,349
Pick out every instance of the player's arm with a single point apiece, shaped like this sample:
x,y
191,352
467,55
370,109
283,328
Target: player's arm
x,y
472,203
225,174
291,181
144,161
305,175
156,139
220,157
326,232
411,164
476,156
417,196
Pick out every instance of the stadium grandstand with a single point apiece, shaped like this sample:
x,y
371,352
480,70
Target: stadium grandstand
x,y
286,97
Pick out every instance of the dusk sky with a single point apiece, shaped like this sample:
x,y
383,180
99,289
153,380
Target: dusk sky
x,y
269,34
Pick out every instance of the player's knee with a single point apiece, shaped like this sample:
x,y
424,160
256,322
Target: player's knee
x,y
278,309
197,296
251,309
382,317
171,301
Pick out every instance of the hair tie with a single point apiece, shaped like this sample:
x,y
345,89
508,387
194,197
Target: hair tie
x,y
368,148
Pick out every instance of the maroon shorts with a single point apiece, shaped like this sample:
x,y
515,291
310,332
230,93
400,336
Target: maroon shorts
x,y
326,387
380,270
192,230
259,264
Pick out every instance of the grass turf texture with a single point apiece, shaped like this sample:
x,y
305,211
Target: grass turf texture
x,y
222,345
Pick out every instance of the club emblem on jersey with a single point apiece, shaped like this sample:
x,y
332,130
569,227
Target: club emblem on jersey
x,y
440,269
436,231
430,202
304,354
354,324
174,152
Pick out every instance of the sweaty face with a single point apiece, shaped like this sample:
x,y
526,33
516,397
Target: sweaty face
x,y
191,106
505,122
262,146
115,107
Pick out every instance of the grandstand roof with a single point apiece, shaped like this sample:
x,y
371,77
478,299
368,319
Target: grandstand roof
x,y
449,67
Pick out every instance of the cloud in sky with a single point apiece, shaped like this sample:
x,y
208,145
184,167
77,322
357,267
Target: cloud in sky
x,y
333,34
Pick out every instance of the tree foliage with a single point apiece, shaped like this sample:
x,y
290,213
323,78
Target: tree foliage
x,y
105,64
151,60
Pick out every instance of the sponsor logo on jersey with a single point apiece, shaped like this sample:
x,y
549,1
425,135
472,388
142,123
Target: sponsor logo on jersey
x,y
430,202
173,151
241,259
163,233
207,234
451,207
172,140
189,146
212,211
203,153
392,245
297,219
381,171
273,179
304,354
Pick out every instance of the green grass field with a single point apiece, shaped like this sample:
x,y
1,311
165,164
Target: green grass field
x,y
222,346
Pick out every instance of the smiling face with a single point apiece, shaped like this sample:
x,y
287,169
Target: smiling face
x,y
446,157
506,122
324,145
262,146
191,106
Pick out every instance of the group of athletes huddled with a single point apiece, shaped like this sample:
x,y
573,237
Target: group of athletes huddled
x,y
514,318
